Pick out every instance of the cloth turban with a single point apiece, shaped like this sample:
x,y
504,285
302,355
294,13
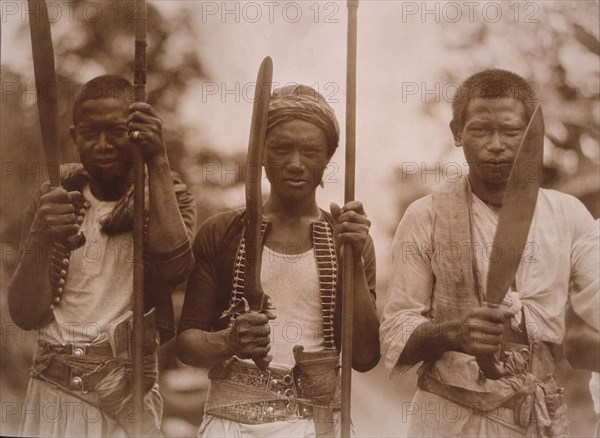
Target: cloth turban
x,y
294,102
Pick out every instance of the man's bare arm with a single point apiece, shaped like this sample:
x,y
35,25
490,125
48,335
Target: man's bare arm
x,y
248,338
58,216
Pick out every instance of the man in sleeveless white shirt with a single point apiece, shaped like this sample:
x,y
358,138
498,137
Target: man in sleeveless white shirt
x,y
300,274
77,292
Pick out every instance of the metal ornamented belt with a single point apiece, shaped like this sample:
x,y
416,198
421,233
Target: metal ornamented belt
x,y
59,373
243,393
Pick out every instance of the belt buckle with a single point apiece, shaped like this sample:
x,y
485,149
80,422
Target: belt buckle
x,y
76,382
79,350
60,348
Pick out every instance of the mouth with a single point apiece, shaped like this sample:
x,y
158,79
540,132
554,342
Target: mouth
x,y
498,162
496,169
103,161
296,182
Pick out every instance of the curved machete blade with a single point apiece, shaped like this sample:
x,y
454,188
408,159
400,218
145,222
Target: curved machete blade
x,y
516,213
257,300
45,84
514,221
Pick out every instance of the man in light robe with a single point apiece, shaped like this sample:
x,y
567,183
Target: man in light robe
x,y
441,251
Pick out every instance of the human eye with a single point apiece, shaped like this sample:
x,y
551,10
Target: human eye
x,y
311,152
512,131
118,131
86,132
278,148
478,130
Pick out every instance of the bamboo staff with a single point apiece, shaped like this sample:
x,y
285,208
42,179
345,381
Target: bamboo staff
x,y
139,83
348,272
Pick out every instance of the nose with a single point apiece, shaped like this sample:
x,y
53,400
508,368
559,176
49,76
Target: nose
x,y
495,143
104,141
294,166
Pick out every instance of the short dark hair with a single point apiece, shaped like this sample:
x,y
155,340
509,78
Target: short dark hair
x,y
492,84
102,87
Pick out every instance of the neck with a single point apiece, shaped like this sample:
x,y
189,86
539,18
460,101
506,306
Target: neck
x,y
109,190
291,209
491,194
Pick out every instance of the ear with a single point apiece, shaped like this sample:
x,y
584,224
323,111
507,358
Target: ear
x,y
456,133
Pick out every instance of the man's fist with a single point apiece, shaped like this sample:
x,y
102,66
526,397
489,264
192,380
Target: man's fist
x,y
59,216
146,131
479,332
249,336
351,225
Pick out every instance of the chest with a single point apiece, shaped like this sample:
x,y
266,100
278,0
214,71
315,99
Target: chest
x,y
290,238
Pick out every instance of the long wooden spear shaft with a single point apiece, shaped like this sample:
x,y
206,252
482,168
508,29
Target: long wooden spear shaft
x,y
139,83
348,272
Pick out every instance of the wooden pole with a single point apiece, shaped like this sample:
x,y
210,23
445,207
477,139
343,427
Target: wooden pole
x,y
139,83
348,274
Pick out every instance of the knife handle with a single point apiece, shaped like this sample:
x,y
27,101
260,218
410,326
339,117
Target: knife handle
x,y
491,365
263,362
77,241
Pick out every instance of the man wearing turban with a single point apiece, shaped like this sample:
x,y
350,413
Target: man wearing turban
x,y
301,262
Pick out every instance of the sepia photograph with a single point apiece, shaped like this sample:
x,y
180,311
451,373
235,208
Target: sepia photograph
x,y
309,218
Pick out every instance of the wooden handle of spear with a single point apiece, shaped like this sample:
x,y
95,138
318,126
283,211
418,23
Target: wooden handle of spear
x,y
348,272
139,83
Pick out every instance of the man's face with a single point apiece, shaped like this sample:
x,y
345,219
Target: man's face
x,y
102,139
295,158
490,137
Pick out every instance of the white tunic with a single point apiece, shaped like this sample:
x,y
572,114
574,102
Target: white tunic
x,y
98,289
99,284
560,263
